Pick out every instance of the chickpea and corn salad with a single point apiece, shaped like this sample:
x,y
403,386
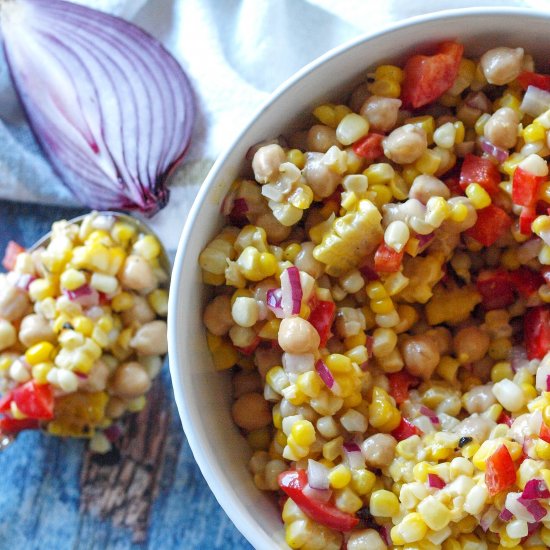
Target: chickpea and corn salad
x,y
82,329
381,294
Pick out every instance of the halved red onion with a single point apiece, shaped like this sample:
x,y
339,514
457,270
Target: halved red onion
x,y
535,488
488,518
435,481
112,109
325,374
317,475
84,295
426,411
535,101
492,150
534,507
320,495
273,300
354,455
291,297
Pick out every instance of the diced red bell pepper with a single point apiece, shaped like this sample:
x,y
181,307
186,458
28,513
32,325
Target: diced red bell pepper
x,y
387,260
544,433
293,482
453,183
536,331
11,426
525,187
500,473
10,255
5,402
528,78
545,272
496,288
526,281
427,77
405,430
492,223
526,219
321,317
400,384
370,146
34,400
504,419
237,216
479,170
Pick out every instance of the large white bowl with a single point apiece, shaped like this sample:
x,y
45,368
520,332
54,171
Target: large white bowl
x,y
203,395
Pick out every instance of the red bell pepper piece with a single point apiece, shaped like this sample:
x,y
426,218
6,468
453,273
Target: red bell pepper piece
x,y
453,183
387,260
405,430
528,78
321,317
504,419
544,433
536,330
5,402
496,288
10,255
479,170
545,272
526,219
526,281
34,400
500,473
492,223
427,77
400,383
11,426
293,482
370,146
525,187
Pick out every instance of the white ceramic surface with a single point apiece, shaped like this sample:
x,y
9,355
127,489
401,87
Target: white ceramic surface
x,y
202,394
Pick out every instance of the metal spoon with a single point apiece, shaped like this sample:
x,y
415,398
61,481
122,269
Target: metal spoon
x,y
7,439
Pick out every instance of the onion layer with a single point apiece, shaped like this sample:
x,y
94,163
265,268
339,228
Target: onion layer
x,y
112,109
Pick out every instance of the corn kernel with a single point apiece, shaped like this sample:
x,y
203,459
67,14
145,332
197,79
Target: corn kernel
x,y
436,515
39,353
390,72
303,432
148,247
383,306
376,290
309,383
412,528
478,196
362,481
40,289
40,372
158,300
383,504
379,173
428,163
339,477
534,132
385,88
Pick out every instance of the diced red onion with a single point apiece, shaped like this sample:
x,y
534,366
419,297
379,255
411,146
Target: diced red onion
x,y
369,273
548,382
535,488
532,527
478,100
492,150
320,495
385,534
518,358
291,297
518,507
112,109
297,363
535,101
534,507
430,414
317,475
505,515
325,374
435,481
488,518
354,456
273,300
424,241
84,295
237,215
113,432
24,280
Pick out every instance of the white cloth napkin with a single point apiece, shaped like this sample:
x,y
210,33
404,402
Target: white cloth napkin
x,y
235,53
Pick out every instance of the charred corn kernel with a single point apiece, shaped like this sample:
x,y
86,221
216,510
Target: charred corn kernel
x,y
39,353
303,433
385,87
338,363
500,371
362,481
383,504
158,300
40,372
309,383
428,163
339,477
534,132
478,196
390,72
381,194
376,290
379,173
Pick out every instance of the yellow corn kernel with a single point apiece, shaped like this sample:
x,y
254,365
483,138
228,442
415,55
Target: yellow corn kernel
x,y
358,354
409,173
428,163
291,251
382,413
426,122
333,448
71,279
362,481
40,372
379,173
534,132
390,72
270,330
224,356
447,368
158,300
303,433
309,383
542,448
412,528
399,188
353,341
376,291
380,194
500,371
148,247
213,279
39,353
478,196
383,306
123,232
339,477
436,515
385,87
40,289
480,123
296,157
383,504
421,469
338,363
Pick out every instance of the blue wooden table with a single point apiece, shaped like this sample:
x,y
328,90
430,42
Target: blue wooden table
x,y
40,476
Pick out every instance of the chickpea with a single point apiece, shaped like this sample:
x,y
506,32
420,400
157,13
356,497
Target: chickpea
x,y
130,381
217,315
319,177
424,187
246,382
366,539
381,112
475,426
471,344
359,96
115,408
8,334
502,128
502,65
443,339
97,379
14,303
140,312
405,144
265,358
305,261
251,412
35,328
321,138
266,162
379,450
296,335
151,339
479,399
421,355
275,231
137,273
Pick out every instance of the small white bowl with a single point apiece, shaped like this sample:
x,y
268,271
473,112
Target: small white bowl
x,y
203,395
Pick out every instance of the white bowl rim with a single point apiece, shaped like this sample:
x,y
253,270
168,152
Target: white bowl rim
x,y
235,510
